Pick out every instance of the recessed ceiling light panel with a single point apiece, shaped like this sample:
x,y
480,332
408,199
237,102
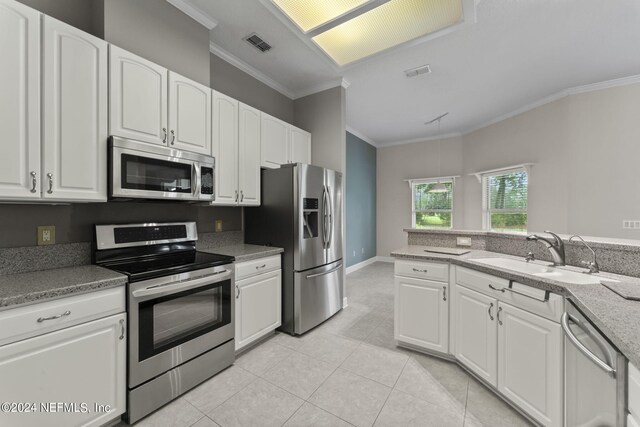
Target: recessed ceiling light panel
x,y
309,14
393,23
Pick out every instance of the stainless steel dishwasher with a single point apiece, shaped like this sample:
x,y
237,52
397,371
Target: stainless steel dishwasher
x,y
595,375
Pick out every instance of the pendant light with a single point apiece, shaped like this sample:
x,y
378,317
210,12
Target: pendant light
x,y
439,187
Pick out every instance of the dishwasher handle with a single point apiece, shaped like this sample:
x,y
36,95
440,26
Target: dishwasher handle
x,y
566,317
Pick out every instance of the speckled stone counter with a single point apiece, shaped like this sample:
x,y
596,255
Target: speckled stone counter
x,y
40,286
244,252
616,317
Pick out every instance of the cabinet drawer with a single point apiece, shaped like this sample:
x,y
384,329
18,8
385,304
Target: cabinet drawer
x,y
634,391
480,281
23,322
257,266
437,271
531,299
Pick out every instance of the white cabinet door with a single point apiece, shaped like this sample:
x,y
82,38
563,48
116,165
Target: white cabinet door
x,y
530,363
476,333
422,313
74,75
137,97
249,158
189,115
258,307
81,364
225,148
19,101
299,146
274,141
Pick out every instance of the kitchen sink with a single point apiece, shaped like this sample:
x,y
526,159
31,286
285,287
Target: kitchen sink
x,y
544,271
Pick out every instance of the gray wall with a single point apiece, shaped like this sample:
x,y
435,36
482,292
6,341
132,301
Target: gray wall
x,y
160,33
74,223
78,13
232,81
360,200
324,115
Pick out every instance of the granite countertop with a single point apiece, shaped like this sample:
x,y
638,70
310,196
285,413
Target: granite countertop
x,y
40,286
616,317
245,252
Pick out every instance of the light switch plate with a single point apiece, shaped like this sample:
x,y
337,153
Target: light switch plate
x,y
463,241
218,225
46,235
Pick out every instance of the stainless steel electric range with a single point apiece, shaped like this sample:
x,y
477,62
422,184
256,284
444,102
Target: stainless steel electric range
x,y
180,309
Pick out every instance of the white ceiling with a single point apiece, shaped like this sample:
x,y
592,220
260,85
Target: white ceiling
x,y
516,53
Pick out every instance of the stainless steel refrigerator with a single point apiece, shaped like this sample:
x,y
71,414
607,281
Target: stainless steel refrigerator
x,y
301,211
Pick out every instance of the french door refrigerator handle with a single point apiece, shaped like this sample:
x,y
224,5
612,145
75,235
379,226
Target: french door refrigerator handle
x,y
584,350
330,218
324,217
311,276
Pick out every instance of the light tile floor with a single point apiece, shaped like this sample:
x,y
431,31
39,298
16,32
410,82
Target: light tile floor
x,y
346,372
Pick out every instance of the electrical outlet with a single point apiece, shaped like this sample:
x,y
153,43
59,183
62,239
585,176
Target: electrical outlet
x,y
218,225
362,251
463,241
46,235
354,253
631,224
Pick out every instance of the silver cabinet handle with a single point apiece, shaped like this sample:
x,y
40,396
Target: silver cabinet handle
x,y
236,196
496,289
173,136
122,329
241,196
34,182
260,266
564,321
44,319
50,177
237,292
420,271
164,137
498,315
490,308
444,293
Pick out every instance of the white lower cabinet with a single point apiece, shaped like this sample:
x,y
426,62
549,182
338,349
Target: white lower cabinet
x,y
476,334
75,376
258,300
530,363
422,314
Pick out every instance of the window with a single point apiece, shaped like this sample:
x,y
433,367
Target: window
x,y
505,200
431,210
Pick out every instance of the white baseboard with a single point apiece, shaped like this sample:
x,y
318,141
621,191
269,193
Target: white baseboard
x,y
385,259
345,304
358,266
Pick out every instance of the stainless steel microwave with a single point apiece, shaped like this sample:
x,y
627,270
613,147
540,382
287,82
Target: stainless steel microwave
x,y
139,170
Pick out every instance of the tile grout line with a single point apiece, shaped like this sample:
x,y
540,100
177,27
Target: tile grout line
x,y
466,402
234,394
389,395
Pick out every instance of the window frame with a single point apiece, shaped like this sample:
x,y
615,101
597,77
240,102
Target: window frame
x,y
486,210
415,182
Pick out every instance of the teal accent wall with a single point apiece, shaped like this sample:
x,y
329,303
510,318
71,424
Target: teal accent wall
x,y
360,200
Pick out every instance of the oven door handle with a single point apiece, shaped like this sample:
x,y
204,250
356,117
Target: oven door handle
x,y
172,288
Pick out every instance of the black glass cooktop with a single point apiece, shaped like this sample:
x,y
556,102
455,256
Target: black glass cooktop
x,y
151,267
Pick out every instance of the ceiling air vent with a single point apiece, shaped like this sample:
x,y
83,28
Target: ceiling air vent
x,y
257,42
423,69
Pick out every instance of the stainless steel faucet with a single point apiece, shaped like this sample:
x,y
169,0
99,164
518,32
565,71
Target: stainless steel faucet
x,y
591,265
555,246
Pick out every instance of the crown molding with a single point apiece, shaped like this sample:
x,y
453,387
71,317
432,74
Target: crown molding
x,y
195,13
253,72
417,140
322,87
363,137
604,85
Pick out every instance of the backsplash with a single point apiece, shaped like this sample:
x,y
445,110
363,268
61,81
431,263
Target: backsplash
x,y
614,255
36,258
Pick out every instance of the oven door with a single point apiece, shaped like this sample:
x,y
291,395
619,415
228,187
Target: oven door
x,y
174,319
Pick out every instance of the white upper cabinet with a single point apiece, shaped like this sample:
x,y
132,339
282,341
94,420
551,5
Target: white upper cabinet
x,y
299,145
275,142
189,115
19,101
225,148
74,161
137,98
249,155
